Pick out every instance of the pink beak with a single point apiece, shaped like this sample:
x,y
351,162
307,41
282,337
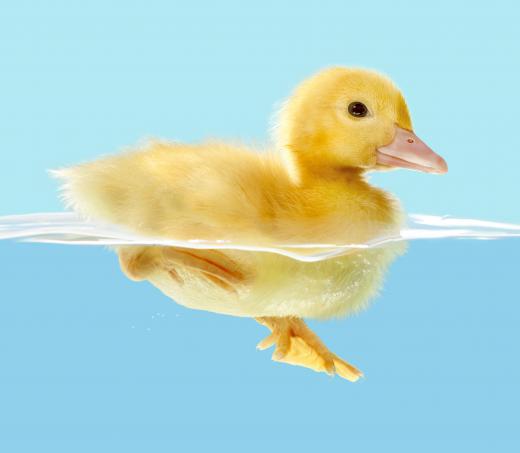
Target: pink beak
x,y
408,151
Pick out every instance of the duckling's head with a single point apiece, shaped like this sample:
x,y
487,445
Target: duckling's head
x,y
349,118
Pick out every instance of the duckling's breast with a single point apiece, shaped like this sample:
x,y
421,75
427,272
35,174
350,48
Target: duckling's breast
x,y
280,286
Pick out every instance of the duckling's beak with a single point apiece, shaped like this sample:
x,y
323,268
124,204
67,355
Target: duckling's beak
x,y
408,151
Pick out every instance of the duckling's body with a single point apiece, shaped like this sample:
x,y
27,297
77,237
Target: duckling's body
x,y
220,192
308,190
280,286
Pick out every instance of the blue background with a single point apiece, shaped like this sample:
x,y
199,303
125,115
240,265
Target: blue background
x,y
90,361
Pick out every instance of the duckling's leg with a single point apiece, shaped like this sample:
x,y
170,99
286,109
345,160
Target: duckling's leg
x,y
137,262
296,344
213,265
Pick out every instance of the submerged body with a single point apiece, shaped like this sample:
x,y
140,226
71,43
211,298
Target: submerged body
x,y
310,189
278,286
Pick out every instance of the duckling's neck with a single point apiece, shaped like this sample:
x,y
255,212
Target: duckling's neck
x,y
303,172
344,175
346,190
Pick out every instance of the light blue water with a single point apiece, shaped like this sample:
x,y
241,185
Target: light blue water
x,y
90,361
94,362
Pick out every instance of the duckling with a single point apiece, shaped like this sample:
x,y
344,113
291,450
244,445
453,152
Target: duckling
x,y
311,187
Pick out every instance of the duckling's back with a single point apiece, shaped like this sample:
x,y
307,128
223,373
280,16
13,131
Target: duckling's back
x,y
209,191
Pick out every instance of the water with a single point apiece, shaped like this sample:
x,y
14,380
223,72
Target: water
x,y
92,361
70,228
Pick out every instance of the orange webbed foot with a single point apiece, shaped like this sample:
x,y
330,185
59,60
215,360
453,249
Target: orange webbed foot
x,y
296,344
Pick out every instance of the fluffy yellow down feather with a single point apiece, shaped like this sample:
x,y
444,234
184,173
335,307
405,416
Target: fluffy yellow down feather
x,y
310,187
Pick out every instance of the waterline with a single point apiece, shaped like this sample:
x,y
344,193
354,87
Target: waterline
x,y
70,228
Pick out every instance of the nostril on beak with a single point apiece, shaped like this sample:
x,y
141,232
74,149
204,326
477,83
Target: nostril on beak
x,y
410,140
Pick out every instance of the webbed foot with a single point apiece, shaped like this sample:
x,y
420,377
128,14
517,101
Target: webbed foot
x,y
296,344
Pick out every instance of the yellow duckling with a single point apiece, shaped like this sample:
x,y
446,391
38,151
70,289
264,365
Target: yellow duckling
x,y
337,126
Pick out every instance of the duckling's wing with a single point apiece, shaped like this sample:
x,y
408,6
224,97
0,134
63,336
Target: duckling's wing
x,y
209,191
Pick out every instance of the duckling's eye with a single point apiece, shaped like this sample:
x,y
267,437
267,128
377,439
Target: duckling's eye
x,y
357,109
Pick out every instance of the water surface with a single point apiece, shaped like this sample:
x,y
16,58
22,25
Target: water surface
x,y
91,360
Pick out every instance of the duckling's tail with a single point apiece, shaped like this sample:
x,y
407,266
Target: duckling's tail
x,y
109,189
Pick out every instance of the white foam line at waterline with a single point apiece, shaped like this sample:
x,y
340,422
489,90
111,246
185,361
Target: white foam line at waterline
x,y
447,221
69,228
